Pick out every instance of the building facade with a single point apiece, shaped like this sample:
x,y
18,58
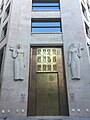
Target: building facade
x,y
45,58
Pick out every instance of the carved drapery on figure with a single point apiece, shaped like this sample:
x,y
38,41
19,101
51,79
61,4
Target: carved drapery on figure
x,y
18,56
74,55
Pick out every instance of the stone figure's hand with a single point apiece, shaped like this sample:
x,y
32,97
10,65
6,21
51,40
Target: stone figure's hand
x,y
69,64
81,47
11,48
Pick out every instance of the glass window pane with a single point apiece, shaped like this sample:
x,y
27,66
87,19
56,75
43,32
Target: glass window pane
x,y
46,6
46,29
45,24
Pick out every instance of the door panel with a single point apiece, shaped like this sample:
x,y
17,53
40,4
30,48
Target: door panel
x,y
47,102
41,94
53,101
47,88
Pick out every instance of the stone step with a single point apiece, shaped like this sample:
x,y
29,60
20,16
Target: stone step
x,y
47,118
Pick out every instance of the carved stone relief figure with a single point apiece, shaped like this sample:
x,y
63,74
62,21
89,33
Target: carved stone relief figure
x,y
74,60
18,56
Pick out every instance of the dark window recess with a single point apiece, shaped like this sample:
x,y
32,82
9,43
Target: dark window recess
x,y
1,9
83,1
89,50
7,11
0,21
84,11
45,5
7,2
46,25
87,30
1,58
4,31
88,5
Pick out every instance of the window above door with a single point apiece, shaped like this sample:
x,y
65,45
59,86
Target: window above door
x,y
46,25
45,5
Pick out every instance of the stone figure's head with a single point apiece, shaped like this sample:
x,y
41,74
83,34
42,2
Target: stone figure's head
x,y
19,46
72,45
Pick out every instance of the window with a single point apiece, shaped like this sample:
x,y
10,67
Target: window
x,y
1,58
83,1
4,31
45,5
88,5
7,11
87,30
84,11
0,21
88,50
7,2
1,9
46,25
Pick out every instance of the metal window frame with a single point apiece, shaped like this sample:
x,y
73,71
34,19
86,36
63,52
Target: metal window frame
x,y
48,20
45,1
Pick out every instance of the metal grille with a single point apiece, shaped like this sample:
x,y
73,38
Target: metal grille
x,y
47,59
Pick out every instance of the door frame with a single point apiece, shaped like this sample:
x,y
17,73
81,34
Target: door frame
x,y
29,82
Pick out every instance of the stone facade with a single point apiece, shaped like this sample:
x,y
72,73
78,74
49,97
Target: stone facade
x,y
14,94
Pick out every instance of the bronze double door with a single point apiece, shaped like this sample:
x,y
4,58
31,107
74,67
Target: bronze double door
x,y
47,88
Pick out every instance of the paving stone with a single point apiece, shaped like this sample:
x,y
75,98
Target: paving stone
x,y
47,118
